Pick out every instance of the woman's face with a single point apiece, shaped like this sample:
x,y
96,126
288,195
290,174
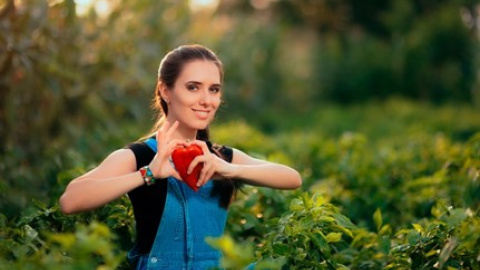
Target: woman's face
x,y
196,95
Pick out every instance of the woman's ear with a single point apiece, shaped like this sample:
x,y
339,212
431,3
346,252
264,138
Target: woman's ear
x,y
162,91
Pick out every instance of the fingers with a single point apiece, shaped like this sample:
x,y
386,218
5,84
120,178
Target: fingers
x,y
173,144
200,143
203,158
171,130
165,147
168,145
209,167
205,175
161,131
166,131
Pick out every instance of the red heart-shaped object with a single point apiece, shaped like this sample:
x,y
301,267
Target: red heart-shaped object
x,y
182,157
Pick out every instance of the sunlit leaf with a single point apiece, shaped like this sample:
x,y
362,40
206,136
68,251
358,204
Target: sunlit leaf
x,y
333,237
377,218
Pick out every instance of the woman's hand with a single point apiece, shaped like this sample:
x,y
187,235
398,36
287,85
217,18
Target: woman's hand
x,y
252,171
213,166
161,166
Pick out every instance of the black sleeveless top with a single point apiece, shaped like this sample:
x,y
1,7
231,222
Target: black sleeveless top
x,y
149,201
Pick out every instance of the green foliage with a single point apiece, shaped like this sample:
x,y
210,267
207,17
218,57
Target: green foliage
x,y
310,236
398,190
72,77
239,256
43,237
379,49
88,247
315,235
60,81
253,208
74,88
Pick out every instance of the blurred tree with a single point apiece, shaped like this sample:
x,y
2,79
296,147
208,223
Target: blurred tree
x,y
439,56
64,76
41,81
40,65
424,49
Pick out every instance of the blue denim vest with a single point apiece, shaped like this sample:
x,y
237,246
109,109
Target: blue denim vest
x,y
187,219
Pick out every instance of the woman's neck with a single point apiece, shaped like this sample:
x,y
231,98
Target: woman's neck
x,y
183,133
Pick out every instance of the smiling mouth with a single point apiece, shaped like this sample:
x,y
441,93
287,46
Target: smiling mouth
x,y
201,114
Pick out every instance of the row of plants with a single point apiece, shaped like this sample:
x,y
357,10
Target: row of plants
x,y
314,234
372,198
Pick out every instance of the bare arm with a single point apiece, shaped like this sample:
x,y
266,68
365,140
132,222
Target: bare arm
x,y
117,175
114,177
263,173
252,171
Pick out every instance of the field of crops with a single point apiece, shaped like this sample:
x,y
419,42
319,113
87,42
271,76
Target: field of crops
x,y
387,185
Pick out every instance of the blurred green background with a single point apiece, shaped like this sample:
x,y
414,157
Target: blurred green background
x,y
76,78
362,97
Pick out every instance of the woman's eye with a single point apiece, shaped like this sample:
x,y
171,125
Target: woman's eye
x,y
192,87
215,89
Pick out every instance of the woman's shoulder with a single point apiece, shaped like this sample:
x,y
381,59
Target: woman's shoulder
x,y
143,153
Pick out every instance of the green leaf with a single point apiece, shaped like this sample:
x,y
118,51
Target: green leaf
x,y
307,222
39,204
65,240
270,264
385,230
319,240
281,249
326,219
307,201
344,221
296,205
418,228
333,237
377,218
413,237
456,216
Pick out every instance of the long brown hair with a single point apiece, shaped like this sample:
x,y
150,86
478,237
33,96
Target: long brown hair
x,y
168,72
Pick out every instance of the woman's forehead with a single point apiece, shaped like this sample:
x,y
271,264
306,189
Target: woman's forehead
x,y
201,71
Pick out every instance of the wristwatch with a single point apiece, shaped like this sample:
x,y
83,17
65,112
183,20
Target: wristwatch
x,y
147,175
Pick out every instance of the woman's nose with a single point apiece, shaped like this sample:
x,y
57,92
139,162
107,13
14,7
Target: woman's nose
x,y
205,97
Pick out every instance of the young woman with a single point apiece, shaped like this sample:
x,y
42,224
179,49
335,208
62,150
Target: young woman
x,y
172,219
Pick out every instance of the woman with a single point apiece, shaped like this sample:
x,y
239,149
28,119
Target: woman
x,y
172,219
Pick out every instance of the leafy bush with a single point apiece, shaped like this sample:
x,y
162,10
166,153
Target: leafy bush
x,y
315,235
88,247
415,171
44,238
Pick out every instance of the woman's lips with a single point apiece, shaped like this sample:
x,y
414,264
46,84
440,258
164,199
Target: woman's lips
x,y
201,114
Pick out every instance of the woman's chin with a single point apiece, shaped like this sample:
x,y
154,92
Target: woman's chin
x,y
199,126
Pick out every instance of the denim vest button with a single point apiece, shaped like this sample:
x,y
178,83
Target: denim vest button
x,y
153,260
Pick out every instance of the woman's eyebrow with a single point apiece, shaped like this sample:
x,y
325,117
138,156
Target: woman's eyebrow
x,y
196,82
